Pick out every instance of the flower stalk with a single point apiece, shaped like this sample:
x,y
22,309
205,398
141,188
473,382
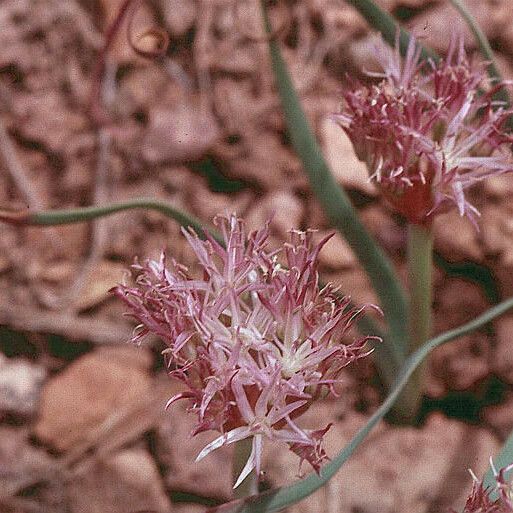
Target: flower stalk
x,y
420,283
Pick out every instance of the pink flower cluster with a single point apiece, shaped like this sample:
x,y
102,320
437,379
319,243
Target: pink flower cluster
x,y
428,131
255,342
480,501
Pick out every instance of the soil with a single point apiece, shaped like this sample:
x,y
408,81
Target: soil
x,y
82,421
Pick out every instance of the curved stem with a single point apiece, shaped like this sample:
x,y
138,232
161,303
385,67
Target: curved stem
x,y
83,214
79,215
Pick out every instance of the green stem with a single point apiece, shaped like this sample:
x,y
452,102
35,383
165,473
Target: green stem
x,y
420,269
241,453
82,214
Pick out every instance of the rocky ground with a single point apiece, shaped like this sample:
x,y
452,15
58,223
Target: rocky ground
x,y
82,424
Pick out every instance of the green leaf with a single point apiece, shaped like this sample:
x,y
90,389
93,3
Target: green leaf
x,y
338,208
274,500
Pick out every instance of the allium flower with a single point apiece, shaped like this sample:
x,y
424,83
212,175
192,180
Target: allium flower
x,y
428,131
254,342
479,500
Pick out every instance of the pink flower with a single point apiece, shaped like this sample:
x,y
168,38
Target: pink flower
x,y
480,501
427,132
254,342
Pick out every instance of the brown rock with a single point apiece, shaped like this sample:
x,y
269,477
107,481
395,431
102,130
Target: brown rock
x,y
354,283
439,23
503,272
20,384
283,208
500,416
106,275
458,301
503,359
209,204
237,104
141,86
47,121
76,401
339,17
188,508
347,169
263,159
362,54
387,232
459,365
496,229
128,481
179,134
456,238
499,187
19,461
179,16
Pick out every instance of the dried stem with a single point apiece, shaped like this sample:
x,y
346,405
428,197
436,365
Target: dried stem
x,y
99,230
22,181
157,38
96,108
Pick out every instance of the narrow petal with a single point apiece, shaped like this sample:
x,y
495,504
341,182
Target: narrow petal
x,y
228,438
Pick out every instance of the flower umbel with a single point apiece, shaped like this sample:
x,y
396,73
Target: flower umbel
x,y
254,342
428,131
